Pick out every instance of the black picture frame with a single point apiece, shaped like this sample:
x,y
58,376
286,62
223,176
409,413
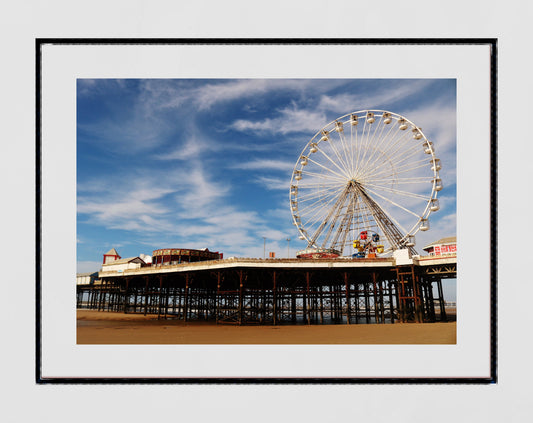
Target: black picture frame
x,y
490,42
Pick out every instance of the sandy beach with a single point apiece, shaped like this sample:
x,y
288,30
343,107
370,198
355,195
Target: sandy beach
x,y
95,327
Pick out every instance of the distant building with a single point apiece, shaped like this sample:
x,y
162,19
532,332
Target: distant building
x,y
442,247
110,256
86,278
123,264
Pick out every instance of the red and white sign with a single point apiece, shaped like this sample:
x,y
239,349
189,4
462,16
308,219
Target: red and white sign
x,y
445,249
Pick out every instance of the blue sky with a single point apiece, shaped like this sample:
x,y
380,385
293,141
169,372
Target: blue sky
x,y
207,163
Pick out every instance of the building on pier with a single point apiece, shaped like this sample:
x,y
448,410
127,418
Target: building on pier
x,y
110,256
171,256
442,247
121,265
86,278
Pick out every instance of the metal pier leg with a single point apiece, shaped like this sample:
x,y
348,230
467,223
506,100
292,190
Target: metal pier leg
x,y
347,293
240,296
321,304
367,302
419,308
376,310
391,299
125,304
306,299
186,299
146,296
217,297
160,293
443,316
274,299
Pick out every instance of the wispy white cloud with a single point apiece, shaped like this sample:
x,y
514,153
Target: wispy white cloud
x,y
261,164
172,94
192,147
387,95
272,183
290,119
309,117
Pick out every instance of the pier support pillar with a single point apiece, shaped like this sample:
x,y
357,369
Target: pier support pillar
x,y
347,294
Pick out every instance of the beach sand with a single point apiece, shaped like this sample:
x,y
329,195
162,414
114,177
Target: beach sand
x,y
95,327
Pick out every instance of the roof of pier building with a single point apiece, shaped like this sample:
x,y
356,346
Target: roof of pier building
x,y
111,256
123,264
442,241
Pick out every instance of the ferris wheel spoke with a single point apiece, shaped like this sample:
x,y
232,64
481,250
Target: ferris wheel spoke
x,y
394,141
405,159
378,161
372,143
400,180
321,183
321,197
314,213
343,172
376,143
338,154
365,146
319,177
348,147
397,167
340,176
388,200
353,145
360,147
406,168
399,192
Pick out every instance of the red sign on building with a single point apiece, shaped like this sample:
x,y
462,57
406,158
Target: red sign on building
x,y
445,249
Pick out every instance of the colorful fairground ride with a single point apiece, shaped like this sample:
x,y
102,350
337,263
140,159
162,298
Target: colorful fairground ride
x,y
367,245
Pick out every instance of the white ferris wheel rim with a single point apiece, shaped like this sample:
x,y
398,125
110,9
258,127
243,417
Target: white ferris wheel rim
x,y
357,161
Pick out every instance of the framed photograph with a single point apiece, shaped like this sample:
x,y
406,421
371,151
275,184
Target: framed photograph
x,y
196,199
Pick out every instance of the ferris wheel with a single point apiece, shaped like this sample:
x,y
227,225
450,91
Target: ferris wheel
x,y
370,170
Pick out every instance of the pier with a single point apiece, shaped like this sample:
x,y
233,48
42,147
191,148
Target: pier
x,y
279,291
